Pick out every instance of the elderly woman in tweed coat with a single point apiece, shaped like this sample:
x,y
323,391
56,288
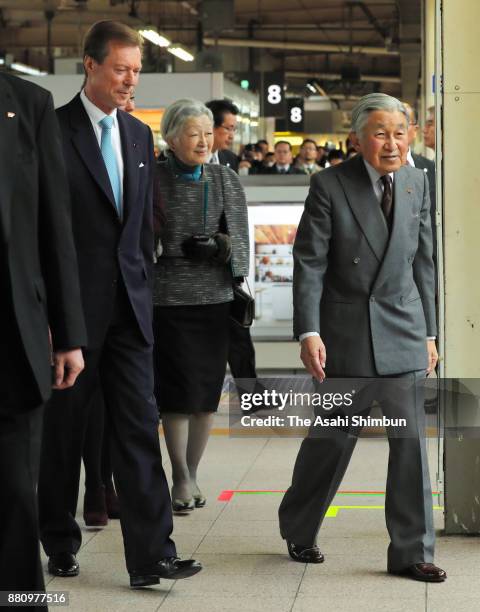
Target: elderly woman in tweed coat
x,y
204,250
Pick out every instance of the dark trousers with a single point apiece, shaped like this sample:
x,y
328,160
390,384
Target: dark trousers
x,y
323,459
20,438
20,568
96,449
123,362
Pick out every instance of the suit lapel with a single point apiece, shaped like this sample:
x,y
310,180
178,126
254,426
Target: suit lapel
x,y
86,143
403,194
363,202
130,151
9,118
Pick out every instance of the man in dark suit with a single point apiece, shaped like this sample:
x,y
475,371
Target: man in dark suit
x,y
109,159
224,128
241,352
364,307
39,287
283,160
425,164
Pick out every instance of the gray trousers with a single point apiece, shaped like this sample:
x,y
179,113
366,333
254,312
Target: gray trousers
x,y
322,461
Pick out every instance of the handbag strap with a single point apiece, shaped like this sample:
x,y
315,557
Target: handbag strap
x,y
248,287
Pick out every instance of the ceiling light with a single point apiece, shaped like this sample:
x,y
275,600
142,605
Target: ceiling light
x,y
155,38
181,53
27,69
314,86
186,5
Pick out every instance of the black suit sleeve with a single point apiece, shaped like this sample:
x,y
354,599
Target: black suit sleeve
x,y
57,250
147,239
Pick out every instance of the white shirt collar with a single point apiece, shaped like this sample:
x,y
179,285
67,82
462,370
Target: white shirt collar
x,y
374,174
410,157
95,114
214,159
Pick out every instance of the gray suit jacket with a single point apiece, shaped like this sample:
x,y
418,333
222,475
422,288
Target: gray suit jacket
x,y
370,297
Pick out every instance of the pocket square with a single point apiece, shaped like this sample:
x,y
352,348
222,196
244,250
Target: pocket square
x,y
141,164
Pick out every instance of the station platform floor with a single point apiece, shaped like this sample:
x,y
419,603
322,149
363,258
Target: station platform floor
x,y
246,566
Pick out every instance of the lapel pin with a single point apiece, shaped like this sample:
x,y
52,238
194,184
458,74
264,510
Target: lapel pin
x,y
134,145
409,190
10,115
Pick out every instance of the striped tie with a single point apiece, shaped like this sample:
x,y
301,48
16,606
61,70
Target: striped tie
x,y
108,155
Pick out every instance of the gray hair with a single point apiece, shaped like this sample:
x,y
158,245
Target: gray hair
x,y
178,113
374,102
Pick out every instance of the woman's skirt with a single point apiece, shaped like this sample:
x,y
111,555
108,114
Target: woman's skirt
x,y
190,356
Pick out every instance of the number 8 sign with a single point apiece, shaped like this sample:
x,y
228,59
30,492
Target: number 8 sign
x,y
273,94
295,115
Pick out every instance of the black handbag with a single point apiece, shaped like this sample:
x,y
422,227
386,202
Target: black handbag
x,y
242,309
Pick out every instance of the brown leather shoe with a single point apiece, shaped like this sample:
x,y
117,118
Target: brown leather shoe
x,y
94,508
305,554
426,572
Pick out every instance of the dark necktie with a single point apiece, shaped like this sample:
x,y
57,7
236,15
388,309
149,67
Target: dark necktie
x,y
387,199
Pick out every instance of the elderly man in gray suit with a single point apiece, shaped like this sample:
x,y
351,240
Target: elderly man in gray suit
x,y
364,307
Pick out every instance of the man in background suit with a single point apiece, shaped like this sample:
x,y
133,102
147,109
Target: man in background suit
x,y
364,306
224,128
425,164
109,158
39,287
241,352
283,160
307,157
429,129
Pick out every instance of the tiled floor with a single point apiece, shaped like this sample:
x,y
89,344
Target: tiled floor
x,y
245,561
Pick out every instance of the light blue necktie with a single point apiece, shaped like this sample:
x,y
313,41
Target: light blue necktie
x,y
110,160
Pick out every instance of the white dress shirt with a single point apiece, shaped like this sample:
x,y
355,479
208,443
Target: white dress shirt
x,y
378,187
214,159
96,115
410,158
375,178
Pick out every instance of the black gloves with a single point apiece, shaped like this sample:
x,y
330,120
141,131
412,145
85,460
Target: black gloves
x,y
224,245
201,247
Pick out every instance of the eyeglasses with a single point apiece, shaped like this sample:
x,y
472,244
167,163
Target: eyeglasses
x,y
230,129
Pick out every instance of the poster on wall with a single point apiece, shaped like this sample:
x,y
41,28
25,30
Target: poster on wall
x,y
274,229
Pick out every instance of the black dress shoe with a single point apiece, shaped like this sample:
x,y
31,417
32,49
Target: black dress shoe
x,y
63,564
171,568
426,572
305,554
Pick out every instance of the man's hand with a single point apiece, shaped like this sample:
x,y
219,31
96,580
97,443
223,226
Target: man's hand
x,y
68,365
432,356
314,356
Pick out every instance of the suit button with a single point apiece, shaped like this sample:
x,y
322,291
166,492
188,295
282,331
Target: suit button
x,y
372,298
356,260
